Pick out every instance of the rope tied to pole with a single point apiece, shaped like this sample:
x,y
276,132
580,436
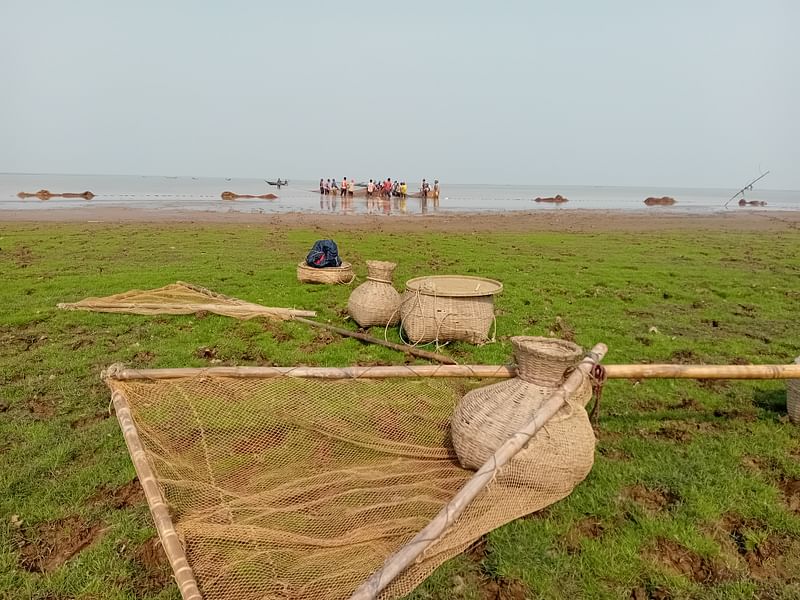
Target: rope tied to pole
x,y
598,376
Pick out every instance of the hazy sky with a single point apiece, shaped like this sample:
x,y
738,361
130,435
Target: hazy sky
x,y
679,93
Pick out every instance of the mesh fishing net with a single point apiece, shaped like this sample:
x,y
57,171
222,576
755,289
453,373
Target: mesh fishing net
x,y
299,488
182,299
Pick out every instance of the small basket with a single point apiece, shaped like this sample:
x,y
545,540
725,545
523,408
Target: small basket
x,y
343,274
793,397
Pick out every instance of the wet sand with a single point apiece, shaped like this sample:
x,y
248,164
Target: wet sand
x,y
561,220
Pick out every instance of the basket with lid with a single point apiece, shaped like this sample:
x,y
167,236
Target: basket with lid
x,y
445,308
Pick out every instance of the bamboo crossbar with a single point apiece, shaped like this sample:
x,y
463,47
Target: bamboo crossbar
x,y
158,508
448,516
632,371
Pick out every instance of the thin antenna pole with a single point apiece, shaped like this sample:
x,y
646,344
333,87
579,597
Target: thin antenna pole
x,y
749,186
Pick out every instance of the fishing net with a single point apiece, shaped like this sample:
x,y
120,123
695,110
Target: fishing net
x,y
293,487
182,299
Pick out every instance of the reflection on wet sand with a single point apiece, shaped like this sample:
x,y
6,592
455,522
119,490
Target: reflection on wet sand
x,y
329,203
388,206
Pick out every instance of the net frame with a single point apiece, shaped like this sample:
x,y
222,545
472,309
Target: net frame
x,y
165,526
167,531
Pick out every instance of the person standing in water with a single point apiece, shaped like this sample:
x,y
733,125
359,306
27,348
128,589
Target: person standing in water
x,y
435,189
321,187
344,186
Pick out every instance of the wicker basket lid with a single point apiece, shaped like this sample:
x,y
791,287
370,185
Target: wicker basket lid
x,y
459,286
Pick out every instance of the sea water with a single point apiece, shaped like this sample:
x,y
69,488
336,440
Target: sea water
x,y
203,193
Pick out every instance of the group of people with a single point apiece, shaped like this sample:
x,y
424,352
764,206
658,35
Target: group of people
x,y
384,189
330,186
387,189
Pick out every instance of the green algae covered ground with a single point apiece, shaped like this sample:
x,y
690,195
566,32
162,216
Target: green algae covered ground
x,y
695,491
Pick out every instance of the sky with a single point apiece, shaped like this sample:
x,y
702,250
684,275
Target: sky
x,y
693,93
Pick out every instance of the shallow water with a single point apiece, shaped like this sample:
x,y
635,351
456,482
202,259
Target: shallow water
x,y
203,193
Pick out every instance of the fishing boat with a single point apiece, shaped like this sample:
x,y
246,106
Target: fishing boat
x,y
278,183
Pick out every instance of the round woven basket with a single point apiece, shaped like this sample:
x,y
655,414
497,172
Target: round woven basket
x,y
375,302
793,397
562,453
544,360
443,308
343,274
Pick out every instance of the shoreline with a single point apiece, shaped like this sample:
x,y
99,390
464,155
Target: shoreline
x,y
562,220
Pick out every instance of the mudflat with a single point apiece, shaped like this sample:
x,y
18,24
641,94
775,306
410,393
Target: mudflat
x,y
576,221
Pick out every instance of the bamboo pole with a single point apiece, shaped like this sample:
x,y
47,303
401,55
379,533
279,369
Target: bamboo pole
x,y
433,532
158,508
376,372
702,371
186,309
441,358
487,371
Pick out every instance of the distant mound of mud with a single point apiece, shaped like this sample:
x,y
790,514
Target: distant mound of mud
x,y
232,196
663,201
557,199
47,194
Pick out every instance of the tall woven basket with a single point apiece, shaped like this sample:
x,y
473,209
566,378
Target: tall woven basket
x,y
562,453
343,274
793,397
444,308
376,302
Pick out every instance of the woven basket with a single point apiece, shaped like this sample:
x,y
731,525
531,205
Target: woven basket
x,y
443,308
343,274
793,397
486,417
544,360
376,302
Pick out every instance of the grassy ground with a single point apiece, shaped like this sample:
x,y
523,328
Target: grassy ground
x,y
695,491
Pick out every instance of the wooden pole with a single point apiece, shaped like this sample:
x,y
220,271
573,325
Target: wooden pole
x,y
158,508
486,371
434,531
373,340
